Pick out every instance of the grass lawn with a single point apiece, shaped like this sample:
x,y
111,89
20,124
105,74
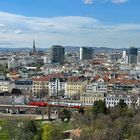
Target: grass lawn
x,y
3,131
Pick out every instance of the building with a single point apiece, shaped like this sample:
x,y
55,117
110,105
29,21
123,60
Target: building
x,y
33,52
5,98
139,57
43,83
132,55
124,56
57,87
4,84
13,63
96,87
39,62
114,56
34,48
75,86
90,98
86,53
57,54
40,85
112,100
25,85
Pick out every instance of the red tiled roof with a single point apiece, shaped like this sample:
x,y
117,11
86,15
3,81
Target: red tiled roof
x,y
40,79
106,79
97,78
76,78
15,78
124,81
48,77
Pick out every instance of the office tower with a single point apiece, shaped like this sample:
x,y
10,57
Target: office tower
x,y
114,56
86,53
139,57
124,56
57,54
131,55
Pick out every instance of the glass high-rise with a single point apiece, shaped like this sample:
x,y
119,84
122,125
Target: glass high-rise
x,y
57,54
86,53
132,54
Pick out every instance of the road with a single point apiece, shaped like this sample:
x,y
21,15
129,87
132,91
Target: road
x,y
32,116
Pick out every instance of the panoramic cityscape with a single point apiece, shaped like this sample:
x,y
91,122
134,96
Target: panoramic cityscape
x,y
69,70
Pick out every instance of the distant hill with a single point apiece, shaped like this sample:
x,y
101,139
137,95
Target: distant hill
x,y
97,49
67,49
20,49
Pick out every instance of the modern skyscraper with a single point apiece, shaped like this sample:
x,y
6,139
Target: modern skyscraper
x,y
132,55
57,54
86,53
114,56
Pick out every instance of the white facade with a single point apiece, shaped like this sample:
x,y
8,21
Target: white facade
x,y
13,63
124,56
96,87
86,53
56,87
81,53
138,57
112,100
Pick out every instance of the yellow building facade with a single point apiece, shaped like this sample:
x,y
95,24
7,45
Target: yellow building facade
x,y
90,98
4,86
75,87
40,85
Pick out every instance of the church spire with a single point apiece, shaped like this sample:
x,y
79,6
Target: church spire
x,y
34,48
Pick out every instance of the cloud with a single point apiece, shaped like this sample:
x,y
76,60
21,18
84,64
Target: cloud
x,y
19,31
104,1
88,1
119,1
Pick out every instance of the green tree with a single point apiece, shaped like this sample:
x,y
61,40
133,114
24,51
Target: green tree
x,y
28,130
65,114
51,132
123,109
81,110
47,130
99,107
135,133
122,104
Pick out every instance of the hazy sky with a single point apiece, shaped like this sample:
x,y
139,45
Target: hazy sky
x,y
106,23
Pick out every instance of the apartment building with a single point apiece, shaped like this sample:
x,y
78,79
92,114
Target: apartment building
x,y
113,99
4,84
75,85
45,84
90,98
57,87
25,85
96,87
40,85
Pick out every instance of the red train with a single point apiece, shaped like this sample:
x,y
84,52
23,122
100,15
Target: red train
x,y
56,104
41,104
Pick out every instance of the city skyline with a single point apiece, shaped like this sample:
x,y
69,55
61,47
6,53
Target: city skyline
x,y
97,23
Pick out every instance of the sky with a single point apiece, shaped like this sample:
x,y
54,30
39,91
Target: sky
x,y
97,23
